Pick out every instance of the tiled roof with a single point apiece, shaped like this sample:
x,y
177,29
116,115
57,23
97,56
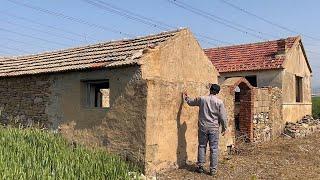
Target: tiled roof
x,y
248,57
108,54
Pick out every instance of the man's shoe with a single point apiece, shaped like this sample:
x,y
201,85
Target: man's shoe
x,y
213,172
200,169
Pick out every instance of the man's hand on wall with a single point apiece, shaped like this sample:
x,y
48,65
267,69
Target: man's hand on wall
x,y
223,132
185,95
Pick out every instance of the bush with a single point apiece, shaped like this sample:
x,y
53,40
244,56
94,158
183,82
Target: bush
x,y
316,107
36,154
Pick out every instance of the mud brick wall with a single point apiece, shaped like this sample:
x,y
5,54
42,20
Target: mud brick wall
x,y
24,99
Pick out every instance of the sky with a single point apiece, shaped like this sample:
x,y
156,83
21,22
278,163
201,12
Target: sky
x,y
34,26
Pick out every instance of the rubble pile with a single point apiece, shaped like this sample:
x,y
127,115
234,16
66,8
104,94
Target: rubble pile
x,y
302,128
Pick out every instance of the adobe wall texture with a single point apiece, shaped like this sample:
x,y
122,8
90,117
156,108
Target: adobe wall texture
x,y
120,128
24,99
57,101
171,128
296,65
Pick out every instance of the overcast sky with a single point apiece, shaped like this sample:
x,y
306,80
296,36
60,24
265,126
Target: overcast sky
x,y
33,26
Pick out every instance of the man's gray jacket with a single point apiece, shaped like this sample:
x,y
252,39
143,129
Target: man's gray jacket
x,y
211,112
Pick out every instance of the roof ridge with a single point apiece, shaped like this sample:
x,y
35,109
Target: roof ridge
x,y
97,44
254,43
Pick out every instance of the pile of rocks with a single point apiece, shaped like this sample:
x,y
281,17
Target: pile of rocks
x,y
302,128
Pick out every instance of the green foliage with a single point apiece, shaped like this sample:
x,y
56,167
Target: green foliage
x,y
36,154
316,107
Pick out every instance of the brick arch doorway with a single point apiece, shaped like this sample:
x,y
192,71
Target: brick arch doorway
x,y
243,112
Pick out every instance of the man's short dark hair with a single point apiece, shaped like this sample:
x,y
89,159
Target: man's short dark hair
x,y
214,89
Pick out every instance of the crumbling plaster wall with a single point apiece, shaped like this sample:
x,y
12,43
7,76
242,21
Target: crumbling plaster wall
x,y
120,128
171,127
296,65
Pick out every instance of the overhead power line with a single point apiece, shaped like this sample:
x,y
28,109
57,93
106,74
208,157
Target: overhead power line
x,y
146,20
213,18
70,18
38,30
14,49
33,37
226,20
21,42
267,21
47,26
128,14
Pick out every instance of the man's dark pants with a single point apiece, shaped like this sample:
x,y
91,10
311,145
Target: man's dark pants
x,y
205,136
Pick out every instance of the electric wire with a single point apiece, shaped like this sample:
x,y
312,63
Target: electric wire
x,y
267,21
212,18
47,26
70,18
33,37
145,20
39,30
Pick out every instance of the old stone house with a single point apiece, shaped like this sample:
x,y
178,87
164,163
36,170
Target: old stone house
x,y
126,95
280,63
123,95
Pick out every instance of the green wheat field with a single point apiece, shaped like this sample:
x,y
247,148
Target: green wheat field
x,y
36,154
316,107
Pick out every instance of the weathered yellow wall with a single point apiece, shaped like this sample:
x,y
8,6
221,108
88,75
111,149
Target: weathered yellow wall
x,y
296,64
120,128
171,128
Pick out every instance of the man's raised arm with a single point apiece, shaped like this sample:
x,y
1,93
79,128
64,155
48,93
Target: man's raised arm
x,y
190,101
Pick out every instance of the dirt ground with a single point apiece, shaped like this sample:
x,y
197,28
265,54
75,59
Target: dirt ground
x,y
278,159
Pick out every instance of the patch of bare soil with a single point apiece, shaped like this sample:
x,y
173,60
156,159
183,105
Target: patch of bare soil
x,y
279,159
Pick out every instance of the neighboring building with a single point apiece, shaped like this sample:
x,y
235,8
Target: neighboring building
x,y
281,63
124,95
254,114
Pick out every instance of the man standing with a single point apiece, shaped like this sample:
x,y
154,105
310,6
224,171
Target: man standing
x,y
212,113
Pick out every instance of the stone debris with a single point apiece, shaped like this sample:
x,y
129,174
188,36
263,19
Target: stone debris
x,y
302,128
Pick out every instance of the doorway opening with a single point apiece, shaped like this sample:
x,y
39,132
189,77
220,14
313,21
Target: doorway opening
x,y
243,113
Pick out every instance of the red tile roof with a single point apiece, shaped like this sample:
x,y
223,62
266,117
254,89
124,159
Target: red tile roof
x,y
248,57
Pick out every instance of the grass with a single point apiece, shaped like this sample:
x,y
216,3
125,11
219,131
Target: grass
x,y
316,107
36,154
